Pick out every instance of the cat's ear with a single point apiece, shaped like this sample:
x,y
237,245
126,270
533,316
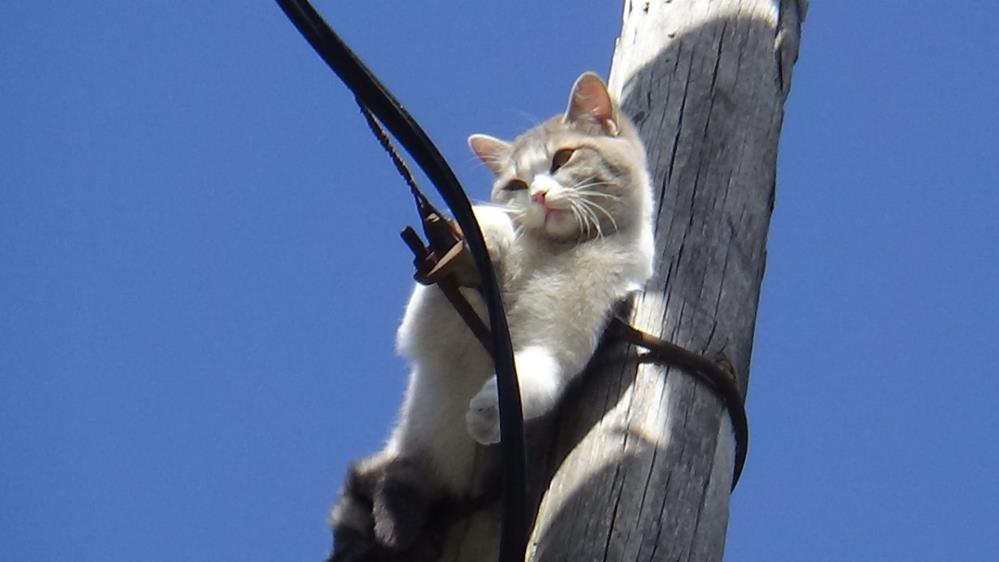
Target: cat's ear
x,y
490,150
590,101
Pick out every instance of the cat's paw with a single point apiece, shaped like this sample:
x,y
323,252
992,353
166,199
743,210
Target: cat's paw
x,y
497,229
482,418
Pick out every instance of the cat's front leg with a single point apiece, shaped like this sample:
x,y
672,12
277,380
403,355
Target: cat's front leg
x,y
497,229
482,417
541,385
498,234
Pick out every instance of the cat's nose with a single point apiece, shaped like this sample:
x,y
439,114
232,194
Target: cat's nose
x,y
539,196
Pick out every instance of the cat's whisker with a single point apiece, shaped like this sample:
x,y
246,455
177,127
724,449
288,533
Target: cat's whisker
x,y
580,223
587,193
591,218
593,206
584,228
584,219
591,181
610,217
596,225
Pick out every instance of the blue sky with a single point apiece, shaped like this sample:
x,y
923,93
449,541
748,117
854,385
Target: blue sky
x,y
201,274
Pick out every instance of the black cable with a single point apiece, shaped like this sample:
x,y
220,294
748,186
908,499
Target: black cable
x,y
722,383
376,98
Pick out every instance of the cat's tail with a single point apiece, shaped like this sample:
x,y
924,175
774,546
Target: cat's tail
x,y
381,511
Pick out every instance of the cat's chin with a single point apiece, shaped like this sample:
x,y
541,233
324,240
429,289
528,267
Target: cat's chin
x,y
561,225
554,224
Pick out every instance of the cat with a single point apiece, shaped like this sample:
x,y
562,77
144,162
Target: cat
x,y
569,232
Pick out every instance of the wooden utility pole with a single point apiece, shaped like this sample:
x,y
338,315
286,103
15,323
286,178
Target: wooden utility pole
x,y
642,454
638,463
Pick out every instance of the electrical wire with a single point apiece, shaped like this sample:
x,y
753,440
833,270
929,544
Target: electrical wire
x,y
374,96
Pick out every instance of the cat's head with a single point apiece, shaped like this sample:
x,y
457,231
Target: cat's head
x,y
577,176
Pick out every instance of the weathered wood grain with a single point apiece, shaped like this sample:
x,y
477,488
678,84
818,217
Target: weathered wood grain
x,y
640,463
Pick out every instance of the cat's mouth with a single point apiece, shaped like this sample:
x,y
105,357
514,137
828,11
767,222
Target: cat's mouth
x,y
553,219
550,208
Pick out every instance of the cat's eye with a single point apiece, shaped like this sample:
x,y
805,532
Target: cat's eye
x,y
561,157
515,185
